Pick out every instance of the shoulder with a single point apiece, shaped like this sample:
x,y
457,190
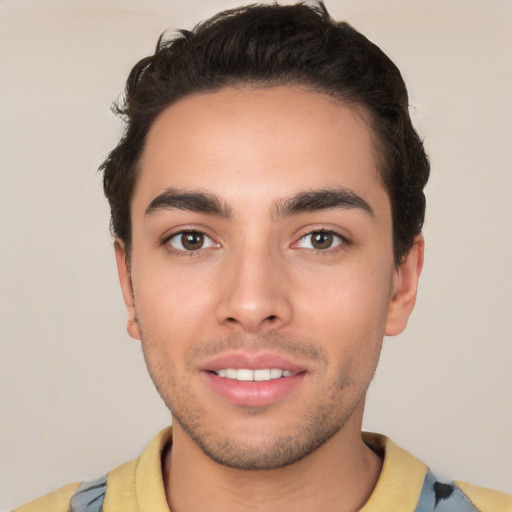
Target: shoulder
x,y
90,495
407,484
56,501
486,500
438,495
138,481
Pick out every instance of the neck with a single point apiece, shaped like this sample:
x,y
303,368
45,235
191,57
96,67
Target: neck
x,y
338,476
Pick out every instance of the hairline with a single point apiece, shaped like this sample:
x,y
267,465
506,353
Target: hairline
x,y
356,105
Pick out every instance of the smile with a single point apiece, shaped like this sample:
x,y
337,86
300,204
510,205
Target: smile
x,y
259,375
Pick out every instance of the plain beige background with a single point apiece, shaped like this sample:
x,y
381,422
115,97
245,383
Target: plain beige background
x,y
75,397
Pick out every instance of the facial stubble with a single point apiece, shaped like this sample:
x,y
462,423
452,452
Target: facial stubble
x,y
320,421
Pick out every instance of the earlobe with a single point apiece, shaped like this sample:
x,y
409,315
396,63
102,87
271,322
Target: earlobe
x,y
405,288
127,289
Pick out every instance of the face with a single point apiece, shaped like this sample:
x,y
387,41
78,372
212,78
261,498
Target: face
x,y
261,278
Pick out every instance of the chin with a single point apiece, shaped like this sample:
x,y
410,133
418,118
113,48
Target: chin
x,y
262,451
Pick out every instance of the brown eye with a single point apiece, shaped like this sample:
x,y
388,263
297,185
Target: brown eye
x,y
320,240
188,241
192,241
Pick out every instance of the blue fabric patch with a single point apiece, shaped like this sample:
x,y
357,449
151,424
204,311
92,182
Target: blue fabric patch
x,y
438,496
435,496
89,496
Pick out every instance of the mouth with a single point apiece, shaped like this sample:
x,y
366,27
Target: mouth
x,y
253,380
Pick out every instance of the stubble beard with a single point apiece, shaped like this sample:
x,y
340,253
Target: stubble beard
x,y
336,403
319,425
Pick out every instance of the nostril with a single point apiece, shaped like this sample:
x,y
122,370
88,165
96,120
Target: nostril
x,y
272,317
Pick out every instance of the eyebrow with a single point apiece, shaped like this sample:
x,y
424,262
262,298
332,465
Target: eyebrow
x,y
308,201
202,202
323,199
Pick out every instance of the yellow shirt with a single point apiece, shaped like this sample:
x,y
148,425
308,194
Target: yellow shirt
x,y
137,486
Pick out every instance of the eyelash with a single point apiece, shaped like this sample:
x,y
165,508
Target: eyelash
x,y
167,242
342,242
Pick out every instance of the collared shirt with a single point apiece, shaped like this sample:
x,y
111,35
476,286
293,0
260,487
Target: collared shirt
x,y
405,485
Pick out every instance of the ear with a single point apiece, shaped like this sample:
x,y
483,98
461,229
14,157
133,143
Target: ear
x,y
405,287
125,279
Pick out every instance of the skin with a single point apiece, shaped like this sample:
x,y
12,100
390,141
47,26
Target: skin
x,y
257,285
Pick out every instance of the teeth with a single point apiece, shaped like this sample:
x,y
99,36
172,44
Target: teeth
x,y
276,373
243,374
262,374
259,375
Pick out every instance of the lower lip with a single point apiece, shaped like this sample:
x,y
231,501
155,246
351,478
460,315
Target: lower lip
x,y
252,393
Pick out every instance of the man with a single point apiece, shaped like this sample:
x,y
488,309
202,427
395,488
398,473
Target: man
x,y
267,205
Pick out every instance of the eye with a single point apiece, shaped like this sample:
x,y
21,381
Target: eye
x,y
320,240
189,241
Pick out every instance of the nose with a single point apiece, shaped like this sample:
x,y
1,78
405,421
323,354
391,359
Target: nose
x,y
254,293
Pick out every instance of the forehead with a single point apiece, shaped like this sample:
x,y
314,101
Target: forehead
x,y
253,145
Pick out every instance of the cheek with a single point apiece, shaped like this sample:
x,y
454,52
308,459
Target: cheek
x,y
354,296
346,311
172,292
171,307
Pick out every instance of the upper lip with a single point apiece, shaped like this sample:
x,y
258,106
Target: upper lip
x,y
251,361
